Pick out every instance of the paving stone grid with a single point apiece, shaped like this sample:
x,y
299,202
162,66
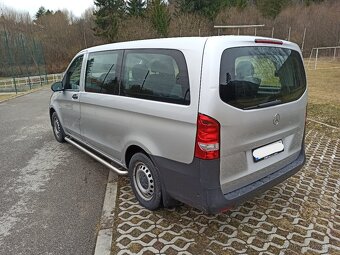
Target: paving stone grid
x,y
299,216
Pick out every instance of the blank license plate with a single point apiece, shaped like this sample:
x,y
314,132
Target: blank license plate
x,y
267,151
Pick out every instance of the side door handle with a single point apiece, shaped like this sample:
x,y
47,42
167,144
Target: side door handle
x,y
75,96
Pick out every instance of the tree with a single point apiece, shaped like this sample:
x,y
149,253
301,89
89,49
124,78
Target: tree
x,y
41,12
107,17
241,4
159,16
208,8
135,7
271,8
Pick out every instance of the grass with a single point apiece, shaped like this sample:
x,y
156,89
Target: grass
x,y
7,96
324,92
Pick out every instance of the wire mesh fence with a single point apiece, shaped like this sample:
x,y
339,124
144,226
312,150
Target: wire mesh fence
x,y
22,63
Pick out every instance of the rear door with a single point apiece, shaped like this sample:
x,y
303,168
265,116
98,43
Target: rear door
x,y
257,92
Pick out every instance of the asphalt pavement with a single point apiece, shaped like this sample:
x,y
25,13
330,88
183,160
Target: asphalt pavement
x,y
51,194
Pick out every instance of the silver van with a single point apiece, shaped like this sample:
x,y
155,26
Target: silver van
x,y
209,122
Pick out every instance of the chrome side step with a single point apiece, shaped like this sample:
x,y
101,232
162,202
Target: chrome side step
x,y
100,160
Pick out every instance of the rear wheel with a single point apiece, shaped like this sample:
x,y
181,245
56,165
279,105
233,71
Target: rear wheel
x,y
58,130
145,181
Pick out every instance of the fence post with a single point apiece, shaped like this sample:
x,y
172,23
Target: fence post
x,y
273,32
316,58
15,85
27,70
334,53
255,30
289,31
303,39
11,62
35,50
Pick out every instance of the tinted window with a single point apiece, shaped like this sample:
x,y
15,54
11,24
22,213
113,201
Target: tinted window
x,y
253,77
159,75
72,77
101,73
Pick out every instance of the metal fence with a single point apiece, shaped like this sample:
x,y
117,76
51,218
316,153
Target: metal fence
x,y
22,62
27,83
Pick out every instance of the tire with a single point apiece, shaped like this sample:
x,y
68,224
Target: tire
x,y
58,130
145,181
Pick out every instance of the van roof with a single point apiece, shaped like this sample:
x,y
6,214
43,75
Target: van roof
x,y
182,43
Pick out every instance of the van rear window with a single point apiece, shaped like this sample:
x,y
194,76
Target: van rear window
x,y
256,77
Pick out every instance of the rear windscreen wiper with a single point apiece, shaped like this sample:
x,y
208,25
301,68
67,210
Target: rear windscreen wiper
x,y
267,104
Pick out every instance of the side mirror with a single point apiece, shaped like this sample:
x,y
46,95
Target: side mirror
x,y
57,86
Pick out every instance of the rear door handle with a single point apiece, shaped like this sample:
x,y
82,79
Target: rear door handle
x,y
75,96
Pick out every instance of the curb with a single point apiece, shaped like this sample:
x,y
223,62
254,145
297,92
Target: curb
x,y
322,123
104,238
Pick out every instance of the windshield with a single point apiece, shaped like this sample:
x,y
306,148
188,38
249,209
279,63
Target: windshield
x,y
255,77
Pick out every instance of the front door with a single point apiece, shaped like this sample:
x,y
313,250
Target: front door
x,y
69,98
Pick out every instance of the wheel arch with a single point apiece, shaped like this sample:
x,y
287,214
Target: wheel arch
x,y
51,111
132,150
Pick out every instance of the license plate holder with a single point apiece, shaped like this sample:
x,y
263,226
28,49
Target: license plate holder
x,y
267,151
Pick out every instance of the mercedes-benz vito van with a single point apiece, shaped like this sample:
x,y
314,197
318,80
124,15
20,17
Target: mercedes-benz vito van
x,y
208,121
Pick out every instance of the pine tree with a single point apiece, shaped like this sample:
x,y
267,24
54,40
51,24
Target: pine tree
x,y
271,8
208,8
41,12
136,7
108,15
159,16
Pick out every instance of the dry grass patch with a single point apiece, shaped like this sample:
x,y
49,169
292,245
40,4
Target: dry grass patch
x,y
6,96
324,92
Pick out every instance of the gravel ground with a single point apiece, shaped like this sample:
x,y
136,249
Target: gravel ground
x,y
299,216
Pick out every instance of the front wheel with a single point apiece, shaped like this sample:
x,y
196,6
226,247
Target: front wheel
x,y
145,181
58,130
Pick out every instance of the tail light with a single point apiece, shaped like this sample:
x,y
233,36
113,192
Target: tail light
x,y
207,138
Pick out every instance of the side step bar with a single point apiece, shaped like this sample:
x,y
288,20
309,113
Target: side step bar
x,y
100,160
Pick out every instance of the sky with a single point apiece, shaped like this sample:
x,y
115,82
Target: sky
x,y
77,7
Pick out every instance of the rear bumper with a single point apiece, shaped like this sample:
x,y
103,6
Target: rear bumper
x,y
198,184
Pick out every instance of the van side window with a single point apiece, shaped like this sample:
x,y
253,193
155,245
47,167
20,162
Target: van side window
x,y
101,74
72,76
156,74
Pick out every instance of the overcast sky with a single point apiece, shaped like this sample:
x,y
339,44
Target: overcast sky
x,y
76,6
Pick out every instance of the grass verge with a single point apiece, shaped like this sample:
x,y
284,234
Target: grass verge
x,y
8,96
324,93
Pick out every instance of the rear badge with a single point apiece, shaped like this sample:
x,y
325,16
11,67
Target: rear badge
x,y
276,119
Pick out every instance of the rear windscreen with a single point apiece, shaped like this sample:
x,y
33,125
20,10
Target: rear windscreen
x,y
255,77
